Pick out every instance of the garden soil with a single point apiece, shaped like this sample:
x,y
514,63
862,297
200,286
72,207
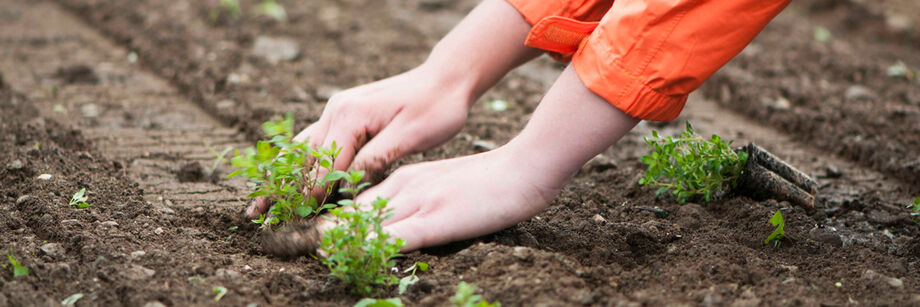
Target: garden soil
x,y
133,100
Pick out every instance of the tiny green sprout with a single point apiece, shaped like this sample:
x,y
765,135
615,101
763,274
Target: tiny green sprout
x,y
407,281
691,166
220,291
358,251
72,300
79,200
233,228
389,302
219,157
271,9
466,297
18,268
777,236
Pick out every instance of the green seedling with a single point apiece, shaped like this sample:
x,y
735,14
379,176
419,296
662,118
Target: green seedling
x,y
915,208
196,279
18,268
780,233
231,7
271,9
690,166
466,297
407,281
219,157
389,302
72,300
359,252
79,200
220,291
283,170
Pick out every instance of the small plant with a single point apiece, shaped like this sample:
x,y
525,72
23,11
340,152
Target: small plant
x,y
359,252
466,297
17,267
780,233
79,200
915,208
285,171
220,291
371,302
271,9
690,166
407,281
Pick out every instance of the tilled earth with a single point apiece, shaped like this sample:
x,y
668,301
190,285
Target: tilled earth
x,y
132,101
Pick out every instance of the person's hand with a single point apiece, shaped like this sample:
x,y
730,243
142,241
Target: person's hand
x,y
378,123
442,201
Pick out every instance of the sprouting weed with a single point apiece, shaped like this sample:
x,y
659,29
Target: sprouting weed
x,y
777,236
466,297
689,165
79,200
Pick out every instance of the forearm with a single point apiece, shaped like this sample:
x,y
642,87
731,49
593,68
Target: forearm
x,y
569,127
487,44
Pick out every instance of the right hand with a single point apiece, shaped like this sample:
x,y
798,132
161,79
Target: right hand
x,y
376,124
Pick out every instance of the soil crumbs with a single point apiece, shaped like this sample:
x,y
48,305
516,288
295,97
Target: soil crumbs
x,y
603,241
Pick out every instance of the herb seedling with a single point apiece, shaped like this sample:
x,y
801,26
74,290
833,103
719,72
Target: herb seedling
x,y
359,252
18,268
283,170
780,233
220,291
79,200
407,281
915,207
389,302
466,297
271,9
690,166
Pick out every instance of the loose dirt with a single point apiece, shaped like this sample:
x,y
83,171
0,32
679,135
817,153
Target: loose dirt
x,y
139,135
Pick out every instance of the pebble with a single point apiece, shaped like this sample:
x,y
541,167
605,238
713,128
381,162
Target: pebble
x,y
158,231
522,253
275,49
53,249
138,254
899,23
154,304
859,92
136,272
483,145
70,222
780,104
15,165
324,92
225,104
90,110
891,281
598,219
227,274
44,177
167,211
23,199
109,223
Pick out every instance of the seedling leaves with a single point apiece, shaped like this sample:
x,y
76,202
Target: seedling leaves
x,y
779,233
18,268
220,291
390,302
71,300
79,200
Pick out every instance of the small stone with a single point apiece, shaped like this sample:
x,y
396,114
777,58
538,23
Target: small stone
x,y
247,268
859,92
498,105
483,145
274,50
15,165
899,23
23,199
154,304
597,218
138,254
324,92
158,231
877,277
832,172
137,272
895,282
44,177
70,222
227,274
780,104
167,211
53,249
109,223
90,110
225,104
522,253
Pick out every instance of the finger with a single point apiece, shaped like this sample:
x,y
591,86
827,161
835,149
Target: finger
x,y
382,150
315,133
347,137
391,192
257,207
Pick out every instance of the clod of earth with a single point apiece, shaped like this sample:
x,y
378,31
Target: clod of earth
x,y
765,176
296,239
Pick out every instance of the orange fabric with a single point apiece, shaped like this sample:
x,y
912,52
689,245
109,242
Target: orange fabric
x,y
646,56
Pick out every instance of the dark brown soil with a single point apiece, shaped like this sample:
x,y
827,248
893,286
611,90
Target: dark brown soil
x,y
604,241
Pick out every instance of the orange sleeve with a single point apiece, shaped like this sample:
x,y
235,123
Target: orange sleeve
x,y
646,56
